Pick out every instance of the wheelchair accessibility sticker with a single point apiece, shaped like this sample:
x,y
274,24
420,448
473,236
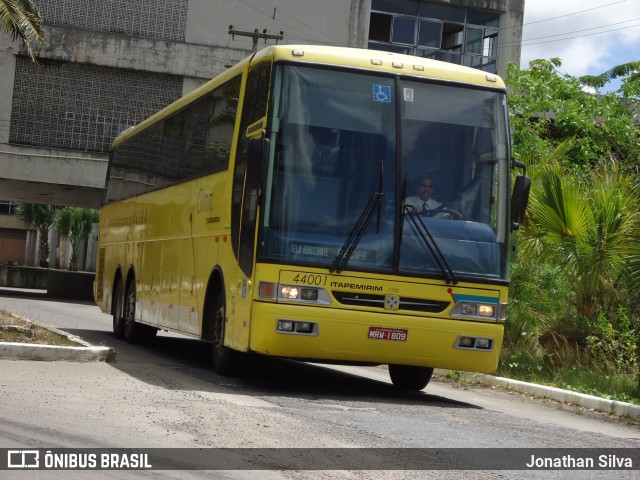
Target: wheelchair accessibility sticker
x,y
382,93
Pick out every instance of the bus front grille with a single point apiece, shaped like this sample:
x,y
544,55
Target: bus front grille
x,y
379,301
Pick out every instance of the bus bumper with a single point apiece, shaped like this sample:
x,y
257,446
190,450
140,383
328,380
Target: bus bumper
x,y
381,338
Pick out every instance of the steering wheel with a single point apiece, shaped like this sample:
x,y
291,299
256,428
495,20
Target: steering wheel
x,y
454,214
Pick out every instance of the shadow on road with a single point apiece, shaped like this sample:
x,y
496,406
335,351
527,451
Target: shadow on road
x,y
178,362
262,376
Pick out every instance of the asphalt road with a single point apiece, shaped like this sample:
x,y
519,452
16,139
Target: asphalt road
x,y
166,395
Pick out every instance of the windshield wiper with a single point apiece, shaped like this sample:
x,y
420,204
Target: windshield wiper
x,y
361,226
427,238
356,233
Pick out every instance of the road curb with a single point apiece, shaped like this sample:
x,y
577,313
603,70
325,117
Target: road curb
x,y
22,351
591,402
52,353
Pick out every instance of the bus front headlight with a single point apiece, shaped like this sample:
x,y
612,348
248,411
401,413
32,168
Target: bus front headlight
x,y
293,293
476,310
289,293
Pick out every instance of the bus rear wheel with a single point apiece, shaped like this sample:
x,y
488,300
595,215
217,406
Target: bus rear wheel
x,y
135,332
117,312
409,377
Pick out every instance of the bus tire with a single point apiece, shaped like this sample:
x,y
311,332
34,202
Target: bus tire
x,y
135,332
117,311
409,377
226,361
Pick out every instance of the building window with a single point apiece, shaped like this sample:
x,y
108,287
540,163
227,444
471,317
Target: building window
x,y
458,35
380,27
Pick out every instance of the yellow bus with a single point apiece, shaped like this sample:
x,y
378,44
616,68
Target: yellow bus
x,y
272,211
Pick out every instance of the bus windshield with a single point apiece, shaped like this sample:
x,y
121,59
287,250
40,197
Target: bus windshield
x,y
434,152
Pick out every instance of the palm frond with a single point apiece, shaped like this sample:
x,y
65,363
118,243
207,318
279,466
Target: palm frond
x,y
558,208
22,19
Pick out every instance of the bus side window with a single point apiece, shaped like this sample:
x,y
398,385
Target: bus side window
x,y
224,107
245,177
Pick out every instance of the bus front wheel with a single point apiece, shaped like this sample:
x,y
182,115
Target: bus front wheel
x,y
408,377
226,361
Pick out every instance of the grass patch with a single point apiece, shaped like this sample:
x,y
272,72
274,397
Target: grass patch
x,y
19,330
619,386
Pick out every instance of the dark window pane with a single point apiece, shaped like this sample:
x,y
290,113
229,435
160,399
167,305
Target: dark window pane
x,y
404,30
452,35
441,12
430,34
380,27
486,64
490,43
473,42
221,124
385,47
427,52
448,57
479,17
407,7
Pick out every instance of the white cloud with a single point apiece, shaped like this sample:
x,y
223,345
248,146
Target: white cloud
x,y
587,50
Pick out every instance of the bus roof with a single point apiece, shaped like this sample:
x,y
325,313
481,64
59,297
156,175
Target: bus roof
x,y
361,59
376,60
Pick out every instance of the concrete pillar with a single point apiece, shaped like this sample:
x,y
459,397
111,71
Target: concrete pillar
x,y
54,247
92,250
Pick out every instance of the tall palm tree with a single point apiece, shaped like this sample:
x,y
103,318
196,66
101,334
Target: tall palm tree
x,y
22,20
76,224
40,217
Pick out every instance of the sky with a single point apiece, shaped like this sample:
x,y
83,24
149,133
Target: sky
x,y
589,36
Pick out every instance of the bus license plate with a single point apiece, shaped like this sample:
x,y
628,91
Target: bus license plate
x,y
381,333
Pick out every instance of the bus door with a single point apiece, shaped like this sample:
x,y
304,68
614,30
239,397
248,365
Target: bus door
x,y
244,208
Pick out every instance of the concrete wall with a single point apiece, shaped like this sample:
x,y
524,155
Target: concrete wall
x,y
7,71
53,176
23,277
328,22
137,53
65,284
57,283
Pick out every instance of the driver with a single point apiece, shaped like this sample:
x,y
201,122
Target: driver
x,y
426,206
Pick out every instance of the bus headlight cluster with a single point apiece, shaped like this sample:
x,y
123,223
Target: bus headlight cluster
x,y
293,293
479,310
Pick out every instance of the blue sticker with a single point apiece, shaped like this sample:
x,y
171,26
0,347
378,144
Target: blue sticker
x,y
382,93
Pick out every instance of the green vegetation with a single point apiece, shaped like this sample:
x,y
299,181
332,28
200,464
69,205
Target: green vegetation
x,y
22,20
573,317
40,217
75,224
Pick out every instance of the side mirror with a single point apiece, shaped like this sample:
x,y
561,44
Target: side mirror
x,y
519,200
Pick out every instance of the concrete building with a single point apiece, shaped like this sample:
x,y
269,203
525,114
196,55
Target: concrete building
x,y
108,64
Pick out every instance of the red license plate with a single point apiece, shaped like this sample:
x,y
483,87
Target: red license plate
x,y
395,334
